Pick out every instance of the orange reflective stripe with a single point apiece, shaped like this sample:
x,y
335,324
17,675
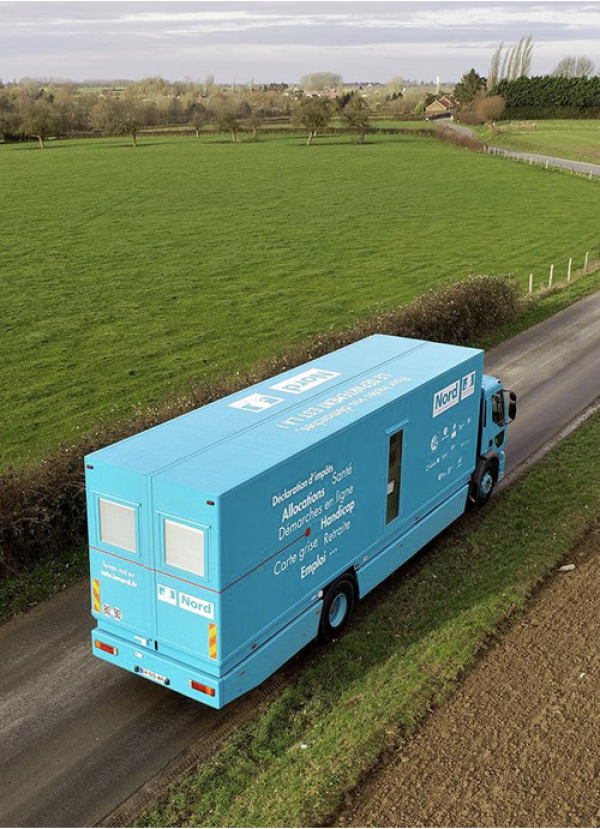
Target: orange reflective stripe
x,y
212,641
96,590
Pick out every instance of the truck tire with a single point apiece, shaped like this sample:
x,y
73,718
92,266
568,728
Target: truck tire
x,y
338,604
486,483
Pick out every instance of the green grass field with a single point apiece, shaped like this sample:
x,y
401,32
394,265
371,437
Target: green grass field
x,y
128,273
566,139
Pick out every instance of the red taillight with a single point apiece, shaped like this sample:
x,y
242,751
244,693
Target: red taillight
x,y
102,646
204,689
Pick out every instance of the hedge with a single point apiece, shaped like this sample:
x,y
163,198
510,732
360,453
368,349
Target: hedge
x,y
549,96
42,507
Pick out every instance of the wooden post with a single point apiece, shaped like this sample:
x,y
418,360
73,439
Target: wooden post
x,y
569,269
530,283
587,259
551,276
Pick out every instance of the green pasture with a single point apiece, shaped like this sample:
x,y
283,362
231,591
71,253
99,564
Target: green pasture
x,y
566,139
127,273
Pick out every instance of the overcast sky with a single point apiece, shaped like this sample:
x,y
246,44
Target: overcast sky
x,y
270,41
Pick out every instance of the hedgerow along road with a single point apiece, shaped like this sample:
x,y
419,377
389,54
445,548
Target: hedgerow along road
x,y
79,737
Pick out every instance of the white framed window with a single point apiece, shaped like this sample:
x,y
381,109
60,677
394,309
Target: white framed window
x,y
117,525
185,547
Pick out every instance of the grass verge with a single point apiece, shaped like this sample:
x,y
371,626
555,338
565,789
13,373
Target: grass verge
x,y
295,763
45,579
576,139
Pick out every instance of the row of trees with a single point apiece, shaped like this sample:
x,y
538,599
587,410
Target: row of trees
x,y
43,113
511,62
32,108
28,110
570,91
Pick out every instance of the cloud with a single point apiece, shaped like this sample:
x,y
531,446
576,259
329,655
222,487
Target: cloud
x,y
281,40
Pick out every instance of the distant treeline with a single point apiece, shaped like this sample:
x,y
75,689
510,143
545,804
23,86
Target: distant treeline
x,y
549,96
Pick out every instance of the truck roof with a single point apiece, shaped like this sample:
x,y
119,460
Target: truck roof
x,y
220,445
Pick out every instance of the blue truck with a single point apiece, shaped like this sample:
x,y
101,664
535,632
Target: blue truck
x,y
224,540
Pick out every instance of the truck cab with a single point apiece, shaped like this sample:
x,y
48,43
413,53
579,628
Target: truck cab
x,y
498,409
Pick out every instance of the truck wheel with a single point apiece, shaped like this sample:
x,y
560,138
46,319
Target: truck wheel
x,y
486,485
338,605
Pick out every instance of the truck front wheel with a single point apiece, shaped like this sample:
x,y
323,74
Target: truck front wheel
x,y
487,482
338,604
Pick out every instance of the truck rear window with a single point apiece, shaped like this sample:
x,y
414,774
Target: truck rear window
x,y
117,525
184,547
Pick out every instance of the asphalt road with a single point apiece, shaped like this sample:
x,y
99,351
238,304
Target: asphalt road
x,y
78,736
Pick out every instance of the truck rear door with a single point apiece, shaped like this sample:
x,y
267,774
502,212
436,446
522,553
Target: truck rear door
x,y
120,554
185,599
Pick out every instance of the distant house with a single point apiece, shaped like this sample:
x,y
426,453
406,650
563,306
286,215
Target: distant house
x,y
321,93
446,105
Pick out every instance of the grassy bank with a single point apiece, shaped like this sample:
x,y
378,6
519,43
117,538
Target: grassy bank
x,y
579,140
403,654
42,581
131,273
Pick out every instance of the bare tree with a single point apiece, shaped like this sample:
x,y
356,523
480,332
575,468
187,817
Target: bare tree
x,y
131,122
321,80
505,64
314,115
227,121
254,123
357,113
39,119
494,73
490,109
113,116
516,62
199,118
209,84
572,66
396,85
527,57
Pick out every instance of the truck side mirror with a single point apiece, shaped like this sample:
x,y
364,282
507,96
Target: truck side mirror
x,y
512,406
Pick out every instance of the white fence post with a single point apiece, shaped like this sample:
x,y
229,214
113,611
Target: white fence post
x,y
530,283
569,270
585,264
546,165
551,276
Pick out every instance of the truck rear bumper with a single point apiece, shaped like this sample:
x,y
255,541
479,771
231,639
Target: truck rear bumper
x,y
157,668
218,691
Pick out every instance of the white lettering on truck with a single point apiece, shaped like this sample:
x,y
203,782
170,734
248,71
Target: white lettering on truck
x,y
445,398
449,396
305,381
194,605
